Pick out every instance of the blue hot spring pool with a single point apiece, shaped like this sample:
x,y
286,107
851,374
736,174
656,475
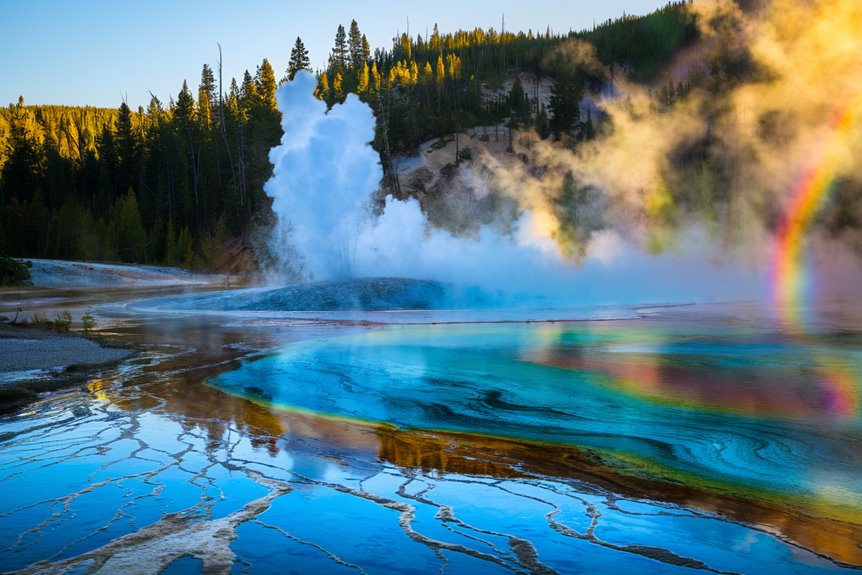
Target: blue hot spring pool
x,y
658,441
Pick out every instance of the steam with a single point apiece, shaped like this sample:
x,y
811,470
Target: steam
x,y
671,202
325,172
728,157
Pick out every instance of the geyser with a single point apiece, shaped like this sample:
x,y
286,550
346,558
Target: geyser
x,y
325,172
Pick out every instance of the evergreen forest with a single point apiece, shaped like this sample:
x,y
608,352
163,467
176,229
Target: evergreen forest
x,y
180,182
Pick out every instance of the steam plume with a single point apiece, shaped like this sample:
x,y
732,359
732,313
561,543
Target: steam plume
x,y
325,172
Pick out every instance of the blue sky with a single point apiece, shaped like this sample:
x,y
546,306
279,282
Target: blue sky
x,y
99,52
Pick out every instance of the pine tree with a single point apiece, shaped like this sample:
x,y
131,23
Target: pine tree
x,y
22,172
338,57
338,87
185,249
106,187
406,47
298,59
542,127
184,118
375,78
364,79
207,102
519,105
366,49
565,104
264,84
247,94
154,191
184,112
322,90
131,238
69,229
171,257
357,54
436,44
453,66
207,128
126,147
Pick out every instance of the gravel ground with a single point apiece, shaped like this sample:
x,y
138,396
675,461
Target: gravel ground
x,y
23,349
34,361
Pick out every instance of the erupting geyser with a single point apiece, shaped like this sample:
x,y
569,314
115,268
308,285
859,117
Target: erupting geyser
x,y
325,172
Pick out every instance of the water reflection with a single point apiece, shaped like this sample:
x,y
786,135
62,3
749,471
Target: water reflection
x,y
741,371
437,455
649,446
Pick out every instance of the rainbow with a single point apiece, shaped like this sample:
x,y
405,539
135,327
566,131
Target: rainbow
x,y
790,280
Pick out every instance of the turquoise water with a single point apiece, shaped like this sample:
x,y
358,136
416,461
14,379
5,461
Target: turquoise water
x,y
639,446
567,384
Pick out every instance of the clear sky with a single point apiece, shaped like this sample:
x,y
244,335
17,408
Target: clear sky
x,y
98,52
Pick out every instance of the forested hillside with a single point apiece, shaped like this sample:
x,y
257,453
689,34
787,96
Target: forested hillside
x,y
177,181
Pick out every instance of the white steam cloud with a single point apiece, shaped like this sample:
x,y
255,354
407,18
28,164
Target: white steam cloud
x,y
325,173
